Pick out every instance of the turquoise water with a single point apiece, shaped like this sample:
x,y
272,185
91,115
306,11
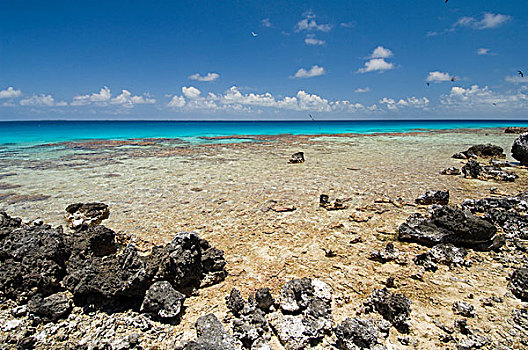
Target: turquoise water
x,y
39,132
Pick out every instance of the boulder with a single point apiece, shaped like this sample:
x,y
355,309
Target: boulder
x,y
98,240
51,308
515,130
32,258
472,169
433,197
297,158
86,214
163,301
520,149
211,336
483,151
447,224
357,332
234,302
393,307
518,284
446,254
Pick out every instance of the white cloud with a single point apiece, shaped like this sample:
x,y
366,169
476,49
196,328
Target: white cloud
x,y
100,98
410,102
381,52
488,21
312,102
38,101
309,23
10,92
126,99
177,101
437,76
61,104
516,79
348,24
208,77
312,40
376,64
313,72
483,51
476,98
266,22
362,90
190,92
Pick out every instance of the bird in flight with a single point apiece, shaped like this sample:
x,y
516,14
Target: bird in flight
x,y
254,34
428,83
311,117
452,78
521,74
446,1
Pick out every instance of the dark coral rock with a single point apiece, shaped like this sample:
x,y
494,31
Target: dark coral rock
x,y
472,169
520,149
486,151
464,309
449,225
297,158
264,299
211,336
357,332
394,307
450,171
433,197
51,308
97,240
32,258
163,301
518,284
515,130
296,294
446,254
235,303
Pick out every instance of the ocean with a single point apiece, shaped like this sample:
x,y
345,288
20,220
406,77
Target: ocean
x,y
31,133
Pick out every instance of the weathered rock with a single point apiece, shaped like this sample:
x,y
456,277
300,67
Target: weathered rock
x,y
234,302
518,284
307,311
328,204
394,307
515,130
449,225
163,301
32,258
460,155
213,264
446,254
512,223
51,308
472,169
518,203
433,197
211,336
520,149
450,171
86,214
264,299
486,151
297,158
357,332
97,240
389,253
464,309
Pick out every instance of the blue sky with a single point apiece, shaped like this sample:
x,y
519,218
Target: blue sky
x,y
265,60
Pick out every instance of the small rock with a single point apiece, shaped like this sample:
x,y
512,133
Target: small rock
x,y
10,325
51,308
433,197
357,332
464,309
163,301
518,284
450,171
520,149
394,307
297,158
89,214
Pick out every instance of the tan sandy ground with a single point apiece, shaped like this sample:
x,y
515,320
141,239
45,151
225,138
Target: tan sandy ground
x,y
224,193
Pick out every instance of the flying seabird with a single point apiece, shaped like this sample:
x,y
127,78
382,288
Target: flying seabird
x,y
428,83
254,34
452,78
311,117
521,74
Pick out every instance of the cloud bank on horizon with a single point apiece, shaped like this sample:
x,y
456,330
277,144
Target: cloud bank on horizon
x,y
343,61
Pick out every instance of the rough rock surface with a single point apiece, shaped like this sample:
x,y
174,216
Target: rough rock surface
x,y
297,158
86,214
450,171
515,130
394,307
484,151
433,197
520,149
357,332
447,224
326,202
211,336
463,308
388,253
472,169
163,301
518,284
52,307
32,258
446,254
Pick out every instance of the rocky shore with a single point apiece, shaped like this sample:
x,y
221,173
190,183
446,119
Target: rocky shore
x,y
441,267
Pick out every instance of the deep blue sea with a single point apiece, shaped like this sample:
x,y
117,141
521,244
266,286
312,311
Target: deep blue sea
x,y
36,132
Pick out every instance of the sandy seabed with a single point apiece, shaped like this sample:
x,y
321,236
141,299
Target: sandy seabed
x,y
226,192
